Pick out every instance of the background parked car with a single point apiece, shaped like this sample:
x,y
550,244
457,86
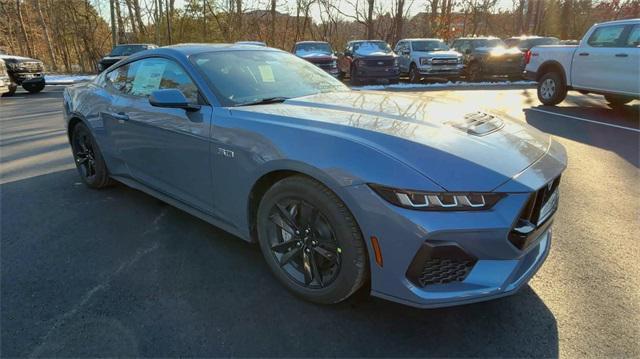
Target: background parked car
x,y
486,57
369,60
25,72
605,62
4,79
318,53
525,43
119,52
569,42
428,58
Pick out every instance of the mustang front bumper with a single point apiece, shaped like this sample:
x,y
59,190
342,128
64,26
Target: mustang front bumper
x,y
437,258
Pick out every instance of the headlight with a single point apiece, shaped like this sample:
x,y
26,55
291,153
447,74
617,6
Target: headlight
x,y
334,64
460,59
12,66
438,201
395,62
425,60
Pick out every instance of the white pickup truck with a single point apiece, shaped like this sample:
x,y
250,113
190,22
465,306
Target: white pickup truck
x,y
606,62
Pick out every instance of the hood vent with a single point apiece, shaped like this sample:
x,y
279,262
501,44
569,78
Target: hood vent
x,y
478,123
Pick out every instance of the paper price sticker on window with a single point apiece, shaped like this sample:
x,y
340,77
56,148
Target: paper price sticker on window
x,y
266,73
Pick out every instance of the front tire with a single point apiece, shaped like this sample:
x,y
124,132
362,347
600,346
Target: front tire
x,y
12,90
414,75
310,241
34,87
88,158
551,89
617,101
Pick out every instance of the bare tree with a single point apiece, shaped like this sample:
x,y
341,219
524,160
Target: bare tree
x,y
23,28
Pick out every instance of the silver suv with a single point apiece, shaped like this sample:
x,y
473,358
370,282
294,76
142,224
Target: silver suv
x,y
420,58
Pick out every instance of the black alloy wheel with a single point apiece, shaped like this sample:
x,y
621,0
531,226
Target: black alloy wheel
x,y
311,241
304,243
88,159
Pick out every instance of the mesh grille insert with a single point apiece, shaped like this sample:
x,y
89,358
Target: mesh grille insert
x,y
444,270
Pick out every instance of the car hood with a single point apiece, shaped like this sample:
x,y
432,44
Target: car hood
x,y
15,58
454,145
443,53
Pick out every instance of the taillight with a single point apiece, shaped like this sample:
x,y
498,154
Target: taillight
x,y
527,57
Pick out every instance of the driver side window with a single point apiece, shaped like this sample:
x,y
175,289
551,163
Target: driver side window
x,y
153,74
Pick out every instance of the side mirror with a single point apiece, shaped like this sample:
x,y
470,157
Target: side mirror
x,y
406,52
171,98
467,52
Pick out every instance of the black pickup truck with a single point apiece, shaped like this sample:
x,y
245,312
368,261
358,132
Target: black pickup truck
x,y
25,72
120,52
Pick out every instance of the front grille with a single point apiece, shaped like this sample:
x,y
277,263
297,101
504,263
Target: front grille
x,y
30,66
538,209
378,63
443,271
444,61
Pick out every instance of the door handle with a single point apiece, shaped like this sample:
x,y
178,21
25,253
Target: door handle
x,y
121,117
622,55
584,54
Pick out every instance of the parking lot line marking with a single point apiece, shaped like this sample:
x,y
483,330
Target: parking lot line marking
x,y
33,115
585,120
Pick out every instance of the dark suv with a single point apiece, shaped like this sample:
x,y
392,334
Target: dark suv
x,y
525,43
119,52
25,72
318,53
488,57
369,61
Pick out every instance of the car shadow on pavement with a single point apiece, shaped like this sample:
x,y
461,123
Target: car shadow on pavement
x,y
116,272
623,142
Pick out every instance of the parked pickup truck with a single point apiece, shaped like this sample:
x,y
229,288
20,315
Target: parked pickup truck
x,y
605,62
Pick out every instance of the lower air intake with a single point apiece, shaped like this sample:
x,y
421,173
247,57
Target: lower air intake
x,y
443,271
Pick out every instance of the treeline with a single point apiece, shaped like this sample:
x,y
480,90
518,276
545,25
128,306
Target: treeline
x,y
72,35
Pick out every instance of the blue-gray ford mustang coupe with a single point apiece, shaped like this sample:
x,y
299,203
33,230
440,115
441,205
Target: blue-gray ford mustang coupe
x,y
425,202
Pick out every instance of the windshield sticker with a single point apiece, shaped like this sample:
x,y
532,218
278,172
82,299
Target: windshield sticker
x,y
266,73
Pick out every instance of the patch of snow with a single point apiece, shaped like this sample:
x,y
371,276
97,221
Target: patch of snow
x,y
405,86
66,79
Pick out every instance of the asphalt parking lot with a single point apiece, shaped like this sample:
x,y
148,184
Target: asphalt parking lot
x,y
118,273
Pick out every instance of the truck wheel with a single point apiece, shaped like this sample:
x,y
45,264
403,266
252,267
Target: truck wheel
x,y
34,87
474,72
551,89
12,90
414,75
616,101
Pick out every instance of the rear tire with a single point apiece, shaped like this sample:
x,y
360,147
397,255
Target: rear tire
x,y
325,260
551,89
88,158
617,101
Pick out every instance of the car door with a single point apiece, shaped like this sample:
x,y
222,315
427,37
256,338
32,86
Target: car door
x,y
596,65
629,59
167,149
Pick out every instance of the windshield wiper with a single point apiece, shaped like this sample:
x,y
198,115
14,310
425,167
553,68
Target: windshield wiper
x,y
265,101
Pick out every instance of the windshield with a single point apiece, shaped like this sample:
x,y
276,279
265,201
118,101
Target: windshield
x,y
371,48
488,43
126,50
242,77
313,48
431,45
